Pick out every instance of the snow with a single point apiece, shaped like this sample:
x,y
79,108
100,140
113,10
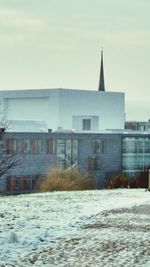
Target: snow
x,y
85,228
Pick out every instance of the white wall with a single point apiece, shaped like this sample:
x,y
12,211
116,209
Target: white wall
x,y
77,122
37,108
108,106
32,105
59,107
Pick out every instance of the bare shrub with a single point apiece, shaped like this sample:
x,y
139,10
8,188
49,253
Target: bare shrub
x,y
62,180
143,177
118,181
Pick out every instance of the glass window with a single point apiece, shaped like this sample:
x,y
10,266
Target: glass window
x,y
135,154
10,183
34,146
94,163
27,146
16,184
75,151
50,146
86,124
61,146
98,146
61,152
15,146
10,146
147,150
25,183
67,152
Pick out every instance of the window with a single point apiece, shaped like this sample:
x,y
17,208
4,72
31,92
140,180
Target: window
x,y
26,146
50,146
22,183
61,152
86,124
98,146
36,146
74,151
94,163
10,148
135,154
67,152
16,184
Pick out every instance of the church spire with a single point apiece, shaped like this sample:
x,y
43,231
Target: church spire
x,y
101,86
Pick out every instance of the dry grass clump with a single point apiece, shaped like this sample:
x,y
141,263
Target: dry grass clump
x,y
121,181
62,180
118,181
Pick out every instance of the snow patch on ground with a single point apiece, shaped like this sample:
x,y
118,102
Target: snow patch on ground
x,y
50,229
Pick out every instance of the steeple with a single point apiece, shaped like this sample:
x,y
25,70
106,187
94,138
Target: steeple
x,y
101,86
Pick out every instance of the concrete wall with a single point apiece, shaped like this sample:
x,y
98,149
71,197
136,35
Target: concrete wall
x,y
59,107
108,106
32,105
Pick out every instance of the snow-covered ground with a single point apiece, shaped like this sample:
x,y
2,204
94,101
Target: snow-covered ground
x,y
90,228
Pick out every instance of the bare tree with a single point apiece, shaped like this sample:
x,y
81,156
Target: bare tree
x,y
7,161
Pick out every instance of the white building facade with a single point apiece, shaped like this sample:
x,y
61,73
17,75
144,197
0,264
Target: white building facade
x,y
66,109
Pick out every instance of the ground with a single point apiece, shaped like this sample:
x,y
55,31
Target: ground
x,y
93,228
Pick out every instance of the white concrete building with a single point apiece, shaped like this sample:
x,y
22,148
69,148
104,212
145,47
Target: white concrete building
x,y
66,109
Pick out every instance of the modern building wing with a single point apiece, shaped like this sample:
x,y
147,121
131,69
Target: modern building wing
x,y
99,154
135,153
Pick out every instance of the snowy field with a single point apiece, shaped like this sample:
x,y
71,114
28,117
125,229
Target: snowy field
x,y
91,228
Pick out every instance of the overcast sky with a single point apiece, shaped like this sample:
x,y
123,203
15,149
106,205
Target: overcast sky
x,y
57,43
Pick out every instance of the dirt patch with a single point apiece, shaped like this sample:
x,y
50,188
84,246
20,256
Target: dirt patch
x,y
114,238
142,209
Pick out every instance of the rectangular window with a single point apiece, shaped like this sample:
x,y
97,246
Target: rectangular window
x,y
94,163
61,152
67,152
135,154
26,146
17,184
86,124
34,146
10,148
98,146
25,183
10,183
20,146
75,151
61,144
50,146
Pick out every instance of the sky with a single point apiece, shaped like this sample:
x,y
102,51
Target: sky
x,y
57,44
